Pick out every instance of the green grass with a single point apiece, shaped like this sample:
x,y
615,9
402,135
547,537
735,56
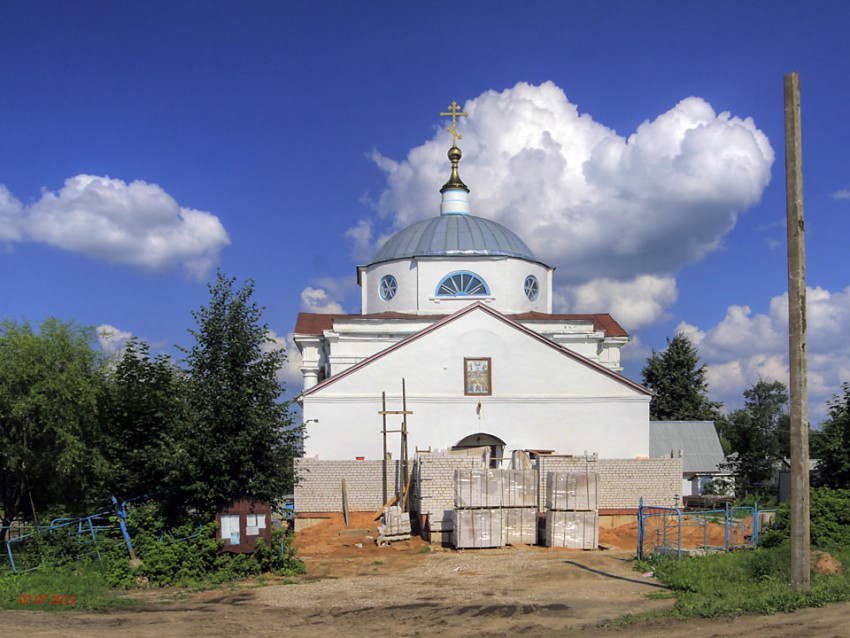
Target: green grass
x,y
81,586
747,582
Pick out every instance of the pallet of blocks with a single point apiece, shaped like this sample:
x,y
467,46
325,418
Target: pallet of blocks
x,y
571,517
519,507
477,528
519,526
519,488
567,492
478,488
395,526
573,530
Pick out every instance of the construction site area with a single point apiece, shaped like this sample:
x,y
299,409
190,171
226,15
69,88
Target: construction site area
x,y
354,587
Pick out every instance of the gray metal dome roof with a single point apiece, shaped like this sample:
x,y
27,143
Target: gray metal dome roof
x,y
453,235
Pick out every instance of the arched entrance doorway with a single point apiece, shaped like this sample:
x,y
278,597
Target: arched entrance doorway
x,y
483,440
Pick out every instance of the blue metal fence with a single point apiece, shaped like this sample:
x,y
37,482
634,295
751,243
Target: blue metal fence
x,y
20,549
673,531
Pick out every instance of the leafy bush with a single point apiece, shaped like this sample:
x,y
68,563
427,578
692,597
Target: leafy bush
x,y
830,520
189,555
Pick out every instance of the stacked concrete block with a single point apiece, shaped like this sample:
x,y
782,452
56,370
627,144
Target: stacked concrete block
x,y
519,488
433,495
395,525
477,528
569,492
519,526
519,507
487,498
574,530
477,518
572,520
478,488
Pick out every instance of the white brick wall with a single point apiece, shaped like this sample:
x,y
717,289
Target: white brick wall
x,y
621,482
319,488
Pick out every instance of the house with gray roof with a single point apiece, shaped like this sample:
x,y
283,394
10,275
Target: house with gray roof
x,y
698,444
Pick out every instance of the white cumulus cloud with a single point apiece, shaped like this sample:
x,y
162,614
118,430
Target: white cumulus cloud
x,y
135,223
112,340
745,347
635,304
592,202
290,372
618,216
318,300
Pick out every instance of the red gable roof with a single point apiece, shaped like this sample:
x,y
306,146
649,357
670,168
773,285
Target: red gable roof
x,y
311,323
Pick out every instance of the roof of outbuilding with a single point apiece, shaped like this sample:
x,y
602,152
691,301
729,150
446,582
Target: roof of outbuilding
x,y
698,441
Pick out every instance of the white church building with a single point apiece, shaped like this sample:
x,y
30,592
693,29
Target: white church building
x,y
461,309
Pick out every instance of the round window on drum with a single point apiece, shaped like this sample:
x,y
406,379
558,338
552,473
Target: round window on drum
x,y
532,288
388,287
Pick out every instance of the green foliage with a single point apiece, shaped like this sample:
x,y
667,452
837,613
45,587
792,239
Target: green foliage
x,y
829,520
678,381
50,383
146,421
186,556
243,438
754,435
832,446
189,555
753,581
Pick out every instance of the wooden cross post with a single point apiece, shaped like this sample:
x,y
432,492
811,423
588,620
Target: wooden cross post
x,y
403,431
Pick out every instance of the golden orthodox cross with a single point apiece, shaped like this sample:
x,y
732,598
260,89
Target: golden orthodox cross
x,y
453,113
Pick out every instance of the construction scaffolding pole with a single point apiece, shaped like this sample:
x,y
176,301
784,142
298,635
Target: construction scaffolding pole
x,y
384,457
800,557
403,460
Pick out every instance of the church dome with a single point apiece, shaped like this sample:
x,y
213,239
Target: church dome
x,y
453,235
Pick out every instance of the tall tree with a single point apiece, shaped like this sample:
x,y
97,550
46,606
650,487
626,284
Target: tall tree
x,y
243,439
679,383
832,444
754,435
50,381
145,425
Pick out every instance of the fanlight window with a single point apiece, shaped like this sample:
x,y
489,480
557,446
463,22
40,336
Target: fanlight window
x,y
462,284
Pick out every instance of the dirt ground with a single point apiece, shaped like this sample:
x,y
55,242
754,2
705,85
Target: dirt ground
x,y
354,588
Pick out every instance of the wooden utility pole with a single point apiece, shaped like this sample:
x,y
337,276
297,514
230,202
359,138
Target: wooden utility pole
x,y
800,557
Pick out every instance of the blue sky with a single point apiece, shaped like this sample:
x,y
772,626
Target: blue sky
x,y
638,147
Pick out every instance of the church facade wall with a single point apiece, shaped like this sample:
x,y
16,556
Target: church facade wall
x,y
351,427
540,398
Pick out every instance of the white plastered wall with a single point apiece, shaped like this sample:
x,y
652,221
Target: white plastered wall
x,y
418,280
542,398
